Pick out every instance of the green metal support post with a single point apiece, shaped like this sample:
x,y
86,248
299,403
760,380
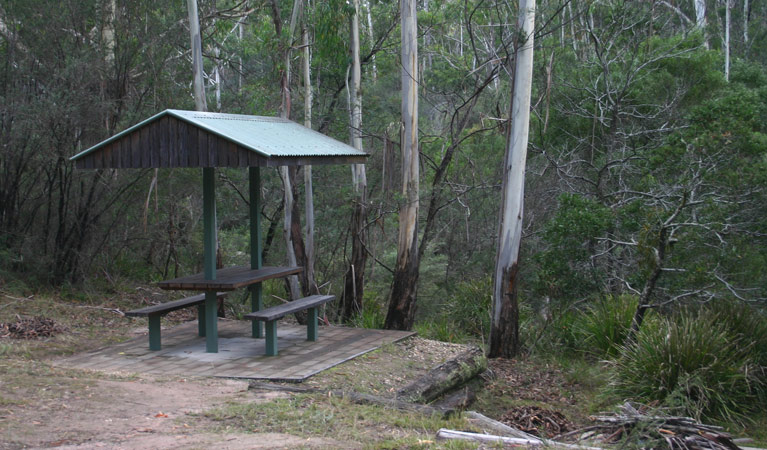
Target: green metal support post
x,y
271,338
155,342
256,290
311,325
209,252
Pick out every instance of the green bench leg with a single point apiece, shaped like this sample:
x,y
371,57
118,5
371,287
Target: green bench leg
x,y
154,333
201,320
257,304
271,338
311,325
211,322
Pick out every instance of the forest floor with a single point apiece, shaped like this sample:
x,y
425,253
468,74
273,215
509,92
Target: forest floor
x,y
43,406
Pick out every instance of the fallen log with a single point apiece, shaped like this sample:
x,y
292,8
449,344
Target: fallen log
x,y
460,399
515,442
445,377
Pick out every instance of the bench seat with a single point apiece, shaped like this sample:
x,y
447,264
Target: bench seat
x,y
155,312
271,315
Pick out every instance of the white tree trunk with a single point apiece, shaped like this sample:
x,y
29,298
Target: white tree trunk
x,y
572,27
700,18
287,186
727,6
108,32
217,76
194,33
355,274
403,295
745,21
371,36
504,334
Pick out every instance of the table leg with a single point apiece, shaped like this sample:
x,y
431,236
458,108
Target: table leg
x,y
257,304
311,325
211,322
271,338
155,342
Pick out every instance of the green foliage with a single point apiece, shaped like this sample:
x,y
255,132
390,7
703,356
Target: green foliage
x,y
373,314
603,327
693,362
440,329
564,272
469,305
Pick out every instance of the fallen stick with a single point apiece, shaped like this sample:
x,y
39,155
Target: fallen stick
x,y
496,426
517,442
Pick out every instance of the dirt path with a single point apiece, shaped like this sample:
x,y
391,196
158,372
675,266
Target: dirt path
x,y
140,413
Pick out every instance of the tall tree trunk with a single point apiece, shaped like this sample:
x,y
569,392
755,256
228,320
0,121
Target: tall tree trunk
x,y
745,21
572,27
700,19
371,36
403,293
727,6
308,189
194,32
290,219
217,76
504,329
355,275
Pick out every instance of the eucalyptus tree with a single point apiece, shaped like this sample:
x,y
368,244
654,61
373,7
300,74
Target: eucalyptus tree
x,y
401,313
504,327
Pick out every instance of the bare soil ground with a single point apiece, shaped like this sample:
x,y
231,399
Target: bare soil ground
x,y
42,406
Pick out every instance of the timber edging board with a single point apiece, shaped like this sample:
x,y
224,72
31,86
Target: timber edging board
x,y
228,279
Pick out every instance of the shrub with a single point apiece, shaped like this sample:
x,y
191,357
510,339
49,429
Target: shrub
x,y
693,362
469,307
603,327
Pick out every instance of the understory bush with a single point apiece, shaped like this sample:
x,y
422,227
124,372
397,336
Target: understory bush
x,y
695,362
469,307
603,327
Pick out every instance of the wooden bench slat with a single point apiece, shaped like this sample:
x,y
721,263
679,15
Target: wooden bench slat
x,y
164,308
280,311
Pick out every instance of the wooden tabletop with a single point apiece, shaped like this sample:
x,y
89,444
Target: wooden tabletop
x,y
228,279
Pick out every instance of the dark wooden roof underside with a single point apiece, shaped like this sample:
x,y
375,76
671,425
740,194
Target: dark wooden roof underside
x,y
169,142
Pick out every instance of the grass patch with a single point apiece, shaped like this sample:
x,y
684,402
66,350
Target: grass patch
x,y
336,418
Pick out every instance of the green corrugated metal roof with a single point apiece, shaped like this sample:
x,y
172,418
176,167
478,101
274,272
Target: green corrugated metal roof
x,y
267,136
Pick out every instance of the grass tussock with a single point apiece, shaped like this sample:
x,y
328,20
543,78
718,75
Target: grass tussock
x,y
695,362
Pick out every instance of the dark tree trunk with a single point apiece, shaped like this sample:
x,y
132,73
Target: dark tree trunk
x,y
401,313
504,339
354,280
